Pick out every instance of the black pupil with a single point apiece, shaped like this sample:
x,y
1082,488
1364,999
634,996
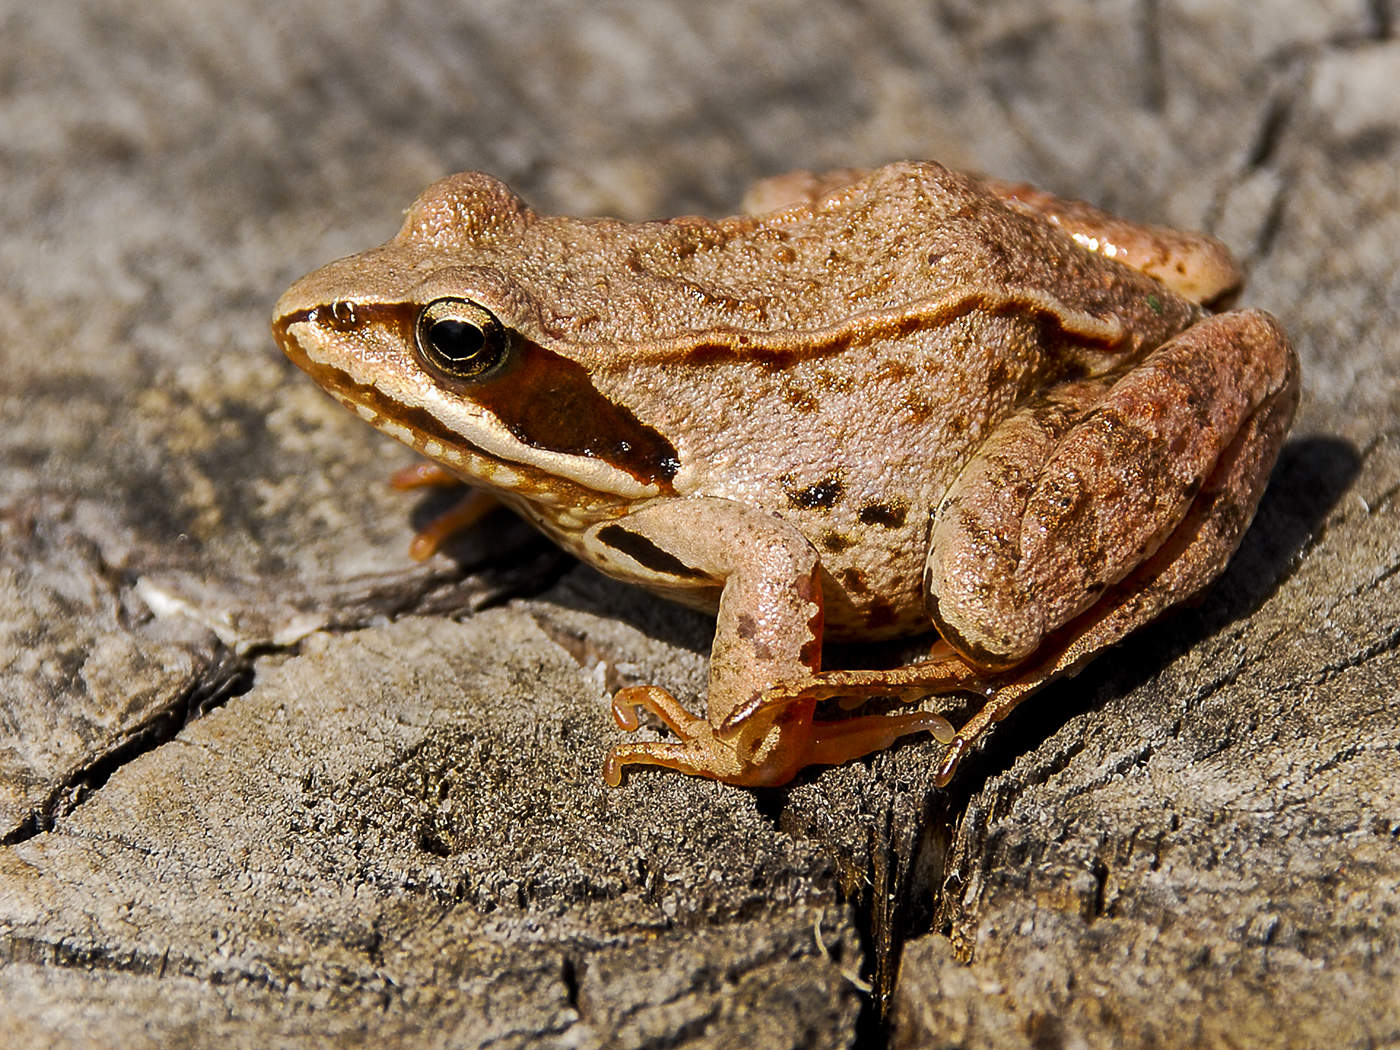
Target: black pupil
x,y
457,341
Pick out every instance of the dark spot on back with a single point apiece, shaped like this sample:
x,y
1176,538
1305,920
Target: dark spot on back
x,y
835,542
824,493
889,515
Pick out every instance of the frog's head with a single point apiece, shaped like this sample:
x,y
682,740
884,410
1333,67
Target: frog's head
x,y
434,339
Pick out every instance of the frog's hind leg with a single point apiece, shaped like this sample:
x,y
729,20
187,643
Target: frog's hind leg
x,y
1063,534
1194,265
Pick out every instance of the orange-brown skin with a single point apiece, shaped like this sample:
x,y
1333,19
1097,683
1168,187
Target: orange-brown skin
x,y
896,400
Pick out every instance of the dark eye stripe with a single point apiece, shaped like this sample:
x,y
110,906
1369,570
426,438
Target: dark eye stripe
x,y
549,402
545,400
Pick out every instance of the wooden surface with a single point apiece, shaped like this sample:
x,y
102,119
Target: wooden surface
x,y
266,782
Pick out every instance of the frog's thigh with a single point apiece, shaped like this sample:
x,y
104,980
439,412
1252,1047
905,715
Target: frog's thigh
x,y
1055,509
1194,265
770,611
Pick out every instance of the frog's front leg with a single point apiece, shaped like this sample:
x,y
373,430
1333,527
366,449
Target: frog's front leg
x,y
1085,516
765,677
473,505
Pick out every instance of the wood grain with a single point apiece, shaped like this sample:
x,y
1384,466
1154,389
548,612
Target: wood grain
x,y
241,806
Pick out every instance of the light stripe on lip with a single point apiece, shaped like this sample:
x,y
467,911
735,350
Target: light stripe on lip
x,y
546,401
362,397
425,433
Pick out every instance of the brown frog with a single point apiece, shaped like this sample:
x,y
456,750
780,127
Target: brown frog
x,y
892,401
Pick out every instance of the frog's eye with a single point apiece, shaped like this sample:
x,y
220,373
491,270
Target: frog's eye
x,y
460,339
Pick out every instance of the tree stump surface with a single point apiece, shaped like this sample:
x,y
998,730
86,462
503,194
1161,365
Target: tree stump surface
x,y
266,782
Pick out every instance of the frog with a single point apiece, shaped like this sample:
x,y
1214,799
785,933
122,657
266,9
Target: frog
x,y
902,402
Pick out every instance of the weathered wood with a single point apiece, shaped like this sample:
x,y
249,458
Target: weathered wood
x,y
242,807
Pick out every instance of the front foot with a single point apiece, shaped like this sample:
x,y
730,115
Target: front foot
x,y
700,752
765,750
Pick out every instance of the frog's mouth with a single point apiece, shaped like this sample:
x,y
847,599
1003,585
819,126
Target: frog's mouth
x,y
365,399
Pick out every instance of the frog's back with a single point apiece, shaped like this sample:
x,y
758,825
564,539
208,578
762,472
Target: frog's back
x,y
906,242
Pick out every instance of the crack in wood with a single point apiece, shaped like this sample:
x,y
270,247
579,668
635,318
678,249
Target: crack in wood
x,y
1381,647
227,677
